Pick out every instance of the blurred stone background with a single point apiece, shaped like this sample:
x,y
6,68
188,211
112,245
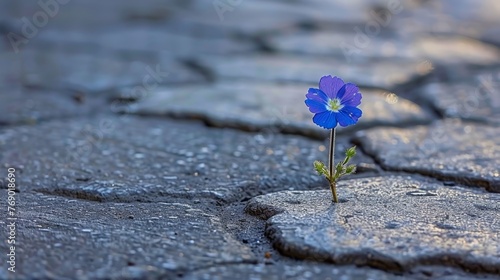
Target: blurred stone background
x,y
244,54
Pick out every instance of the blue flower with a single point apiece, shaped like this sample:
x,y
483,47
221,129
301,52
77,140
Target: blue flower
x,y
334,102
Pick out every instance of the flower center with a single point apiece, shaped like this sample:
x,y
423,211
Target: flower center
x,y
334,105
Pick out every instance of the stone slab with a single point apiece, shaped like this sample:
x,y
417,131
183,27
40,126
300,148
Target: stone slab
x,y
302,69
476,99
89,15
394,223
235,16
434,49
297,271
30,106
10,76
129,159
464,17
145,38
60,68
492,36
456,50
463,152
269,106
274,16
341,43
74,239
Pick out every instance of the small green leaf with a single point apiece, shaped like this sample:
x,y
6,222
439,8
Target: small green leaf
x,y
338,168
338,171
351,152
350,169
320,168
346,160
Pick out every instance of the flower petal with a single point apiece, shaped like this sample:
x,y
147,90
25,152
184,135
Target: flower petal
x,y
349,95
316,94
330,85
326,119
344,119
315,106
353,112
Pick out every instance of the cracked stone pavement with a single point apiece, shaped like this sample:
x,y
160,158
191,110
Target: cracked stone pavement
x,y
156,140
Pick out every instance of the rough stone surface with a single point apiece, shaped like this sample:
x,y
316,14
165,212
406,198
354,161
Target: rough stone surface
x,y
101,194
29,106
274,15
492,36
147,39
135,159
288,68
451,150
234,17
297,271
10,76
100,71
279,107
343,44
92,15
454,50
464,17
477,100
444,49
393,223
90,240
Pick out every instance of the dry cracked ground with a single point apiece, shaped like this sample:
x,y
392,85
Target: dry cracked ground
x,y
170,140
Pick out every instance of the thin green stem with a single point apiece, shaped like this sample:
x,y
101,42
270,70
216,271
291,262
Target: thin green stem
x,y
333,188
331,164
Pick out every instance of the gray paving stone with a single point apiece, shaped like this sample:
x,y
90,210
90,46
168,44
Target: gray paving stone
x,y
451,150
61,238
463,17
128,159
485,12
91,49
492,36
273,15
29,106
87,15
236,16
394,223
10,76
288,68
434,49
343,44
61,68
453,50
476,99
264,105
307,270
76,21
144,38
285,271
